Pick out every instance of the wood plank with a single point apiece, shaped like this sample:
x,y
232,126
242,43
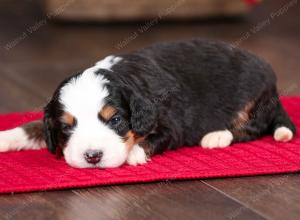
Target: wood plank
x,y
165,200
102,10
17,98
278,197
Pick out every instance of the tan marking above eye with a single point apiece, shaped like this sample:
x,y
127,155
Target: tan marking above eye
x,y
107,112
67,118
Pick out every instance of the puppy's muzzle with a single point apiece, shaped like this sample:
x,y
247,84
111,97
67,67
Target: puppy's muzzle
x,y
93,156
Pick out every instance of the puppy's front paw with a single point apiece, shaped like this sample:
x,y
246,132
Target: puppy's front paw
x,y
217,139
4,146
10,139
137,156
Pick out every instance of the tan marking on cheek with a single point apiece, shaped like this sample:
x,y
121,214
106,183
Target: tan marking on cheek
x,y
68,118
131,139
107,112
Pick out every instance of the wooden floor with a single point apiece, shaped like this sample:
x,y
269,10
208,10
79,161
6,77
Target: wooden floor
x,y
35,55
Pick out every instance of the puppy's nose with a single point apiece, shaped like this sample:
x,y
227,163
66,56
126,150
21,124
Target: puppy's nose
x,y
93,156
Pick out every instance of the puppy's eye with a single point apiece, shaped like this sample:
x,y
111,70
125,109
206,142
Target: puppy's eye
x,y
66,127
68,122
115,120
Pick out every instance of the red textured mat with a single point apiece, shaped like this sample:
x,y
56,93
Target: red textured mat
x,y
39,170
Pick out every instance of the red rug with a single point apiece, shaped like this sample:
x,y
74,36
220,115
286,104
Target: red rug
x,y
39,170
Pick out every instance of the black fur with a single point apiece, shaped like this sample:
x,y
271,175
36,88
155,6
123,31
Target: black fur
x,y
143,115
175,93
55,134
49,135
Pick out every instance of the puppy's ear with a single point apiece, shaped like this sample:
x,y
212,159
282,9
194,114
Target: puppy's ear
x,y
143,115
49,133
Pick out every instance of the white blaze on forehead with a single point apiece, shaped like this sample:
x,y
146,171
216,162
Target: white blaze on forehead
x,y
108,62
85,94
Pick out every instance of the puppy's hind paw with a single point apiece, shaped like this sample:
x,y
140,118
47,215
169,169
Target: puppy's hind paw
x,y
217,139
283,134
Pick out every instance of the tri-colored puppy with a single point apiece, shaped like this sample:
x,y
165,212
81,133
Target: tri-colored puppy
x,y
130,106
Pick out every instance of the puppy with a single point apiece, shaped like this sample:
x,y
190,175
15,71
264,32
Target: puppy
x,y
131,106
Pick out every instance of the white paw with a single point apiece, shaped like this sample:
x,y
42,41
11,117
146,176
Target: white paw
x,y
4,146
136,156
283,134
17,139
9,138
217,139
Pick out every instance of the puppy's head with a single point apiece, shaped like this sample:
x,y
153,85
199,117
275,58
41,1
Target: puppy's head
x,y
96,122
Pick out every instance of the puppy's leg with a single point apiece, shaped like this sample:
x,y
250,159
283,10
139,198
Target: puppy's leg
x,y
29,136
153,144
266,116
137,156
217,139
283,128
283,134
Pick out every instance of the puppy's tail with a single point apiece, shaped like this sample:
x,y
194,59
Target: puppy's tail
x,y
283,128
28,136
